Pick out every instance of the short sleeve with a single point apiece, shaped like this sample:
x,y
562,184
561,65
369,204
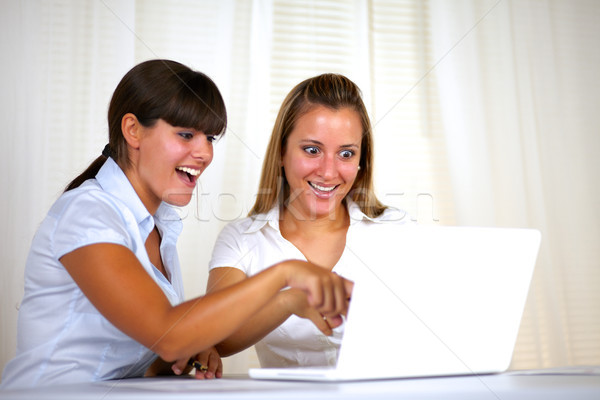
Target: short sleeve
x,y
230,250
88,218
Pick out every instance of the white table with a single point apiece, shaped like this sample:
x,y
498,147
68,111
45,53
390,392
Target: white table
x,y
546,386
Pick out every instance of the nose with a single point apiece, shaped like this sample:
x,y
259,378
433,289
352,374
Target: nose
x,y
327,167
202,149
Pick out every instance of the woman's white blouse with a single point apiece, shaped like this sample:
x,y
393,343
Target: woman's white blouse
x,y
255,243
62,338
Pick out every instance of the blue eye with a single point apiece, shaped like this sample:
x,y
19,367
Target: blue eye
x,y
312,150
346,153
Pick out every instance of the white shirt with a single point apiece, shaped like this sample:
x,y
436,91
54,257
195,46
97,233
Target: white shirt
x,y
62,338
255,243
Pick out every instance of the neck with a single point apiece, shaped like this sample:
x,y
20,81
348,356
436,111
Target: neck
x,y
149,201
334,221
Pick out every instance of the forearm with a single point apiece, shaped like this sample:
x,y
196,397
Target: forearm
x,y
273,314
123,292
116,284
257,327
227,311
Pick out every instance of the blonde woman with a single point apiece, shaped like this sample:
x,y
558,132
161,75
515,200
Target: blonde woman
x,y
316,188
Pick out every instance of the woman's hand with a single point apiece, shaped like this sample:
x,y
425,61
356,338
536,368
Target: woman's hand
x,y
295,302
208,365
327,292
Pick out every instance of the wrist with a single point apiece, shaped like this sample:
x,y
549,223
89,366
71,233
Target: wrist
x,y
283,301
291,301
282,270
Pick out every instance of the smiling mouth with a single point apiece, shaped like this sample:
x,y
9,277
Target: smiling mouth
x,y
325,189
190,173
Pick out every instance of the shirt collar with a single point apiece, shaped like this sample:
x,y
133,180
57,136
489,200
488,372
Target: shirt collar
x,y
271,217
356,215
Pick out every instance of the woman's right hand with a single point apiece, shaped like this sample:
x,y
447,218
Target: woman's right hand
x,y
326,292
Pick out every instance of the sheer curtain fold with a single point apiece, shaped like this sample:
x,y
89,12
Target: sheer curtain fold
x,y
61,61
18,150
520,152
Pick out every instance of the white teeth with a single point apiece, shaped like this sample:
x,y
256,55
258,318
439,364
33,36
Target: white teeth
x,y
193,172
322,188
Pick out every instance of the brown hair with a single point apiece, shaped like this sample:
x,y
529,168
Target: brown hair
x,y
160,89
330,90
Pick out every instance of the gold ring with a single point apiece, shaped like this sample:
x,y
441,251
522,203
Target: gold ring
x,y
197,365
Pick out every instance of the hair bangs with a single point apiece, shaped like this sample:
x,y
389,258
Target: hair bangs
x,y
197,104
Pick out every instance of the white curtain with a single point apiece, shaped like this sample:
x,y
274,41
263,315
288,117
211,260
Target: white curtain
x,y
60,63
519,92
507,88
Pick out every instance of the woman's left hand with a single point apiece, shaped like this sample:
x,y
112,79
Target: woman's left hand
x,y
208,365
296,303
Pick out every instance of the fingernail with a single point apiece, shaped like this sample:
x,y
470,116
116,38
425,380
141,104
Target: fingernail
x,y
176,369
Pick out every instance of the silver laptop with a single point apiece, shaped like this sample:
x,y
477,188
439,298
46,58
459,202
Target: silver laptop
x,y
430,301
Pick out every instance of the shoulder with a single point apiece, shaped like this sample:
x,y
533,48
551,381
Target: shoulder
x,y
242,241
251,225
88,199
230,247
233,237
237,227
88,215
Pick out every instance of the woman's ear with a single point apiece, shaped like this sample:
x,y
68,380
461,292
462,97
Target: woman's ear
x,y
131,129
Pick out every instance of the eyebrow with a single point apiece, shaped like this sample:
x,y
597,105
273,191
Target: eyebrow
x,y
344,146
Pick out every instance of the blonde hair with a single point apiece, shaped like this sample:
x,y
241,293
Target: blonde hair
x,y
333,91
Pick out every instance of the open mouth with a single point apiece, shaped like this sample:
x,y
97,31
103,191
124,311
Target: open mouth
x,y
190,174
